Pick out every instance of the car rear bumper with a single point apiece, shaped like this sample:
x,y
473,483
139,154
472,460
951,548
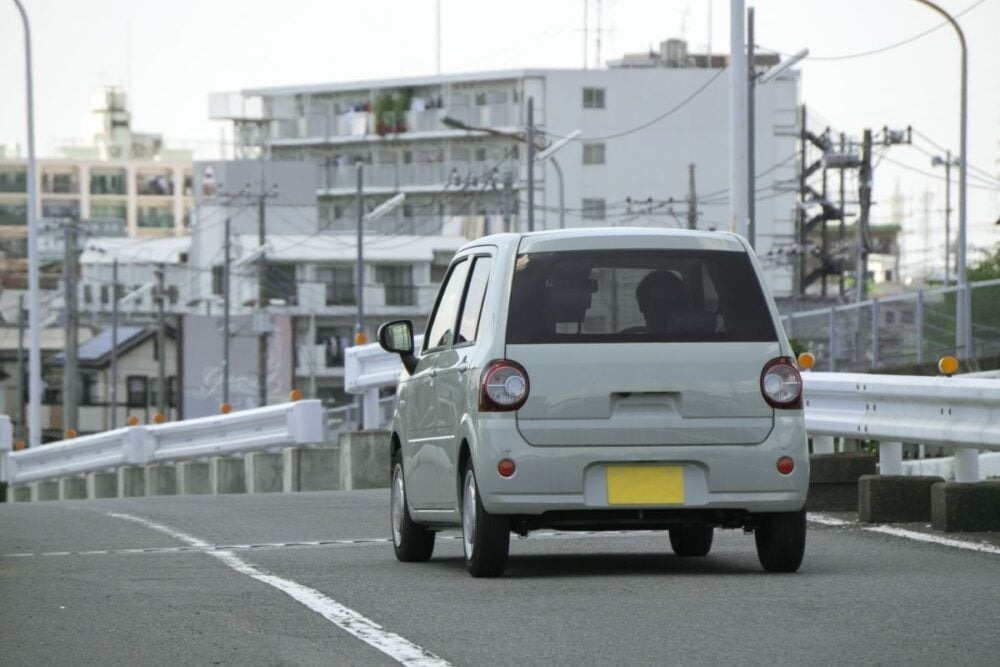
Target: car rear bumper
x,y
720,476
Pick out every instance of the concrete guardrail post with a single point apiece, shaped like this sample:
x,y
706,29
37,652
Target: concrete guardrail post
x,y
226,475
131,482
966,465
364,460
958,506
263,472
46,489
160,479
890,458
823,444
102,484
310,469
18,494
193,478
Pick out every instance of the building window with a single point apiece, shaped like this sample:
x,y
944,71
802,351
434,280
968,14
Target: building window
x,y
593,153
593,98
105,291
109,182
398,283
13,215
280,283
136,391
108,211
172,391
13,179
156,216
172,295
217,279
88,382
593,209
340,285
334,340
88,294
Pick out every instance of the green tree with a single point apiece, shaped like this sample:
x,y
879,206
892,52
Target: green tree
x,y
987,268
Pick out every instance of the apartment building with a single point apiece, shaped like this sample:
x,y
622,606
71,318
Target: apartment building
x,y
652,148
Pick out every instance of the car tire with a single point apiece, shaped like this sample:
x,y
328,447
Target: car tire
x,y
781,540
691,541
485,536
412,542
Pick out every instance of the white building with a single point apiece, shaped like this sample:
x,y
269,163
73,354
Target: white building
x,y
642,127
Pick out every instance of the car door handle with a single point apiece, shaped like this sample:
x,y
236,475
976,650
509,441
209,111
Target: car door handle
x,y
463,367
434,372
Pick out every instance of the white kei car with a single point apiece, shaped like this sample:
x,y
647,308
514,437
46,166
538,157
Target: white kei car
x,y
599,379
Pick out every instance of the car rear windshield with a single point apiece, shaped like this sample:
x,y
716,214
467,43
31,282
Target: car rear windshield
x,y
637,296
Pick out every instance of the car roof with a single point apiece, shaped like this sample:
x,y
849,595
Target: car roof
x,y
612,237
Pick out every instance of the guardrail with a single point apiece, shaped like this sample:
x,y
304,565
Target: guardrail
x,y
366,369
298,423
959,412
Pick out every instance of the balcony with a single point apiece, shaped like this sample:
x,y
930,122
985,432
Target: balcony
x,y
356,125
429,176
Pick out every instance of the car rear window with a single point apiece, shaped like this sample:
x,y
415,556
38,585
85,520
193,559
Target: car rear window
x,y
636,296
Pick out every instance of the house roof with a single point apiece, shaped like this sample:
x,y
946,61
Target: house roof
x,y
320,248
98,348
105,250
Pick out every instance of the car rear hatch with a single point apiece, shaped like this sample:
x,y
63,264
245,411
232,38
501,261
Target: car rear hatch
x,y
641,346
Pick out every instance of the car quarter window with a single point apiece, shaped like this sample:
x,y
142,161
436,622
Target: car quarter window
x,y
441,326
472,305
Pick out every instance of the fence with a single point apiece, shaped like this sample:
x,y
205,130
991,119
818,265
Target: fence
x,y
238,432
901,329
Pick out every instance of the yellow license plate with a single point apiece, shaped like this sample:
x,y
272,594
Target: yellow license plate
x,y
645,485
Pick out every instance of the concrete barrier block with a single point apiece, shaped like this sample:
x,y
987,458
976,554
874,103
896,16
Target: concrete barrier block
x,y
311,469
44,490
833,480
225,475
966,507
193,478
160,479
18,494
262,471
102,484
364,460
72,488
895,498
131,482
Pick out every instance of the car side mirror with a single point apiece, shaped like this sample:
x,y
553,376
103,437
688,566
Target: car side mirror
x,y
397,337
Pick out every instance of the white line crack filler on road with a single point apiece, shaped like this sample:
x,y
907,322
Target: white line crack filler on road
x,y
396,647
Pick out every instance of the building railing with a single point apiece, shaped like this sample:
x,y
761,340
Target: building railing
x,y
471,176
898,330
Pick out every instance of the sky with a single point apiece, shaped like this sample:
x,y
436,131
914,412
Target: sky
x,y
171,55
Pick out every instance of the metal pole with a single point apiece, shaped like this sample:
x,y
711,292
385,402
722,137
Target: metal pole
x,y
34,331
360,274
531,164
114,344
692,212
947,219
19,433
562,194
225,316
832,344
751,140
843,221
920,326
161,343
508,196
875,317
737,120
70,368
437,37
964,328
864,188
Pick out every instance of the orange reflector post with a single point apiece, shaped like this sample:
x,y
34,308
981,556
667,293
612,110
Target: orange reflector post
x,y
948,365
360,338
70,433
807,360
226,408
18,445
159,418
133,420
296,395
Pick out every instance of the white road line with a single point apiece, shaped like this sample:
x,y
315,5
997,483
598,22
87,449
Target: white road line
x,y
396,647
935,539
914,535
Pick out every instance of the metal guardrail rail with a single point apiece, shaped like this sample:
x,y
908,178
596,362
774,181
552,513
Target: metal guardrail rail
x,y
959,412
298,423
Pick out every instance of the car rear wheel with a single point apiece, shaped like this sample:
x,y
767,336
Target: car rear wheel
x,y
781,540
485,536
411,541
691,540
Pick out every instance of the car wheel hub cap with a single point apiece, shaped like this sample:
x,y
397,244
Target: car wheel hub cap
x,y
398,504
469,513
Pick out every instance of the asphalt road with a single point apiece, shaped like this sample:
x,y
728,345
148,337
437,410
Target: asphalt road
x,y
304,579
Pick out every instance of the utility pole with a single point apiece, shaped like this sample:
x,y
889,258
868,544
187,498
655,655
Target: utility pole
x,y
842,230
751,143
360,338
508,193
861,228
114,344
737,119
161,342
70,369
19,435
586,33
597,45
225,316
947,218
261,297
531,159
692,200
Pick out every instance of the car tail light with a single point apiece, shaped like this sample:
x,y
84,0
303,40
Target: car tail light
x,y
781,384
504,386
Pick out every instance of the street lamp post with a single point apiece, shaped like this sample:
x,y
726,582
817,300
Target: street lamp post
x,y
963,332
34,334
948,163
